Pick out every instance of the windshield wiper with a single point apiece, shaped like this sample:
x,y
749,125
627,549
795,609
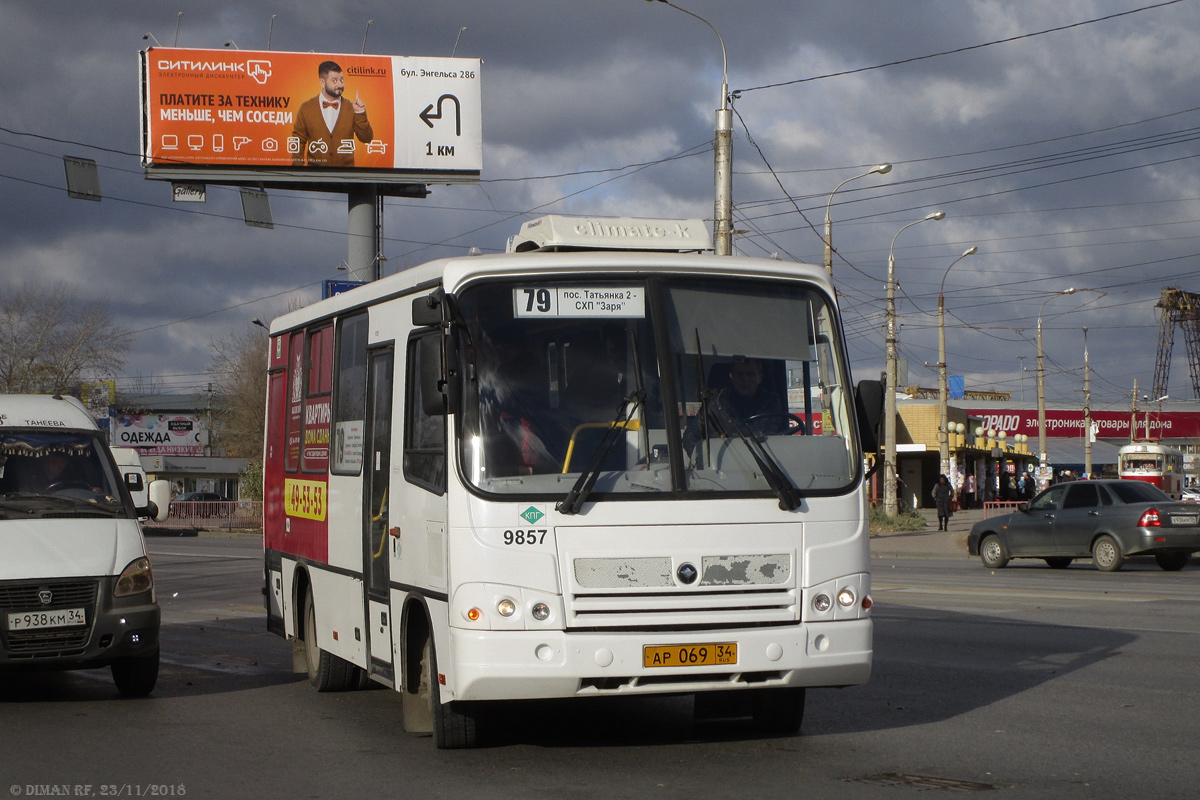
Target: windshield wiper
x,y
587,478
775,475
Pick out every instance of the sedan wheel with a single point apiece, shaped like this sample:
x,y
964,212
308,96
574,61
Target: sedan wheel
x,y
992,553
1107,555
1172,562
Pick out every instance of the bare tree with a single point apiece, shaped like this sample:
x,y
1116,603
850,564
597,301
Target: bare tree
x,y
50,341
239,372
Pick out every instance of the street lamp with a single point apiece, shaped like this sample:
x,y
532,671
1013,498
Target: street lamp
x,y
943,398
1087,410
1041,378
889,396
881,169
722,151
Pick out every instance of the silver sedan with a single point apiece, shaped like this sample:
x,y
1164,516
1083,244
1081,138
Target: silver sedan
x,y
1106,521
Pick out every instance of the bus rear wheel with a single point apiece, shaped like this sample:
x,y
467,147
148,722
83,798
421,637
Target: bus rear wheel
x,y
326,672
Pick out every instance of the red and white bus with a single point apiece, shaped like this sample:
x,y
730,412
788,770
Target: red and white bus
x,y
1154,463
530,475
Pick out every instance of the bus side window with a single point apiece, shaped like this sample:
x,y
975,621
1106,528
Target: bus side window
x,y
424,434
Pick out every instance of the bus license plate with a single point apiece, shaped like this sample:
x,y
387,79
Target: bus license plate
x,y
58,618
689,655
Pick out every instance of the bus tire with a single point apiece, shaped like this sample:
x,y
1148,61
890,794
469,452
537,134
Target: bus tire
x,y
1172,562
992,552
326,672
1107,555
135,676
452,729
779,712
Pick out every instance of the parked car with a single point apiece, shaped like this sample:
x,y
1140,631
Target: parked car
x,y
202,496
1191,495
1107,521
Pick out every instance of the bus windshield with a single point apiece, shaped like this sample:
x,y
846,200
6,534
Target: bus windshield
x,y
660,386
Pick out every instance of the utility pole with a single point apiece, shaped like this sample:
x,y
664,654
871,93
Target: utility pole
x,y
1087,410
890,473
722,152
1133,415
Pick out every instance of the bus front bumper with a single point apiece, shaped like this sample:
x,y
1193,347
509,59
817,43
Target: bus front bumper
x,y
515,665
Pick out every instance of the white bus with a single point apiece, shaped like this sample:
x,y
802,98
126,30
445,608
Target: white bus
x,y
606,462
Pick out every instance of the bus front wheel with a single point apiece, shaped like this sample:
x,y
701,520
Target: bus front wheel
x,y
779,711
453,729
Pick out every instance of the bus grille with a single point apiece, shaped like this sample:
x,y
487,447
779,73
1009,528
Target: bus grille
x,y
642,592
48,642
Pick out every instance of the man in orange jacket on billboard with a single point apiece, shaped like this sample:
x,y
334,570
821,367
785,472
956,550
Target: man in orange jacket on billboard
x,y
327,125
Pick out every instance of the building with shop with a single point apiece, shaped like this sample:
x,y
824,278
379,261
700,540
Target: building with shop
x,y
174,437
999,443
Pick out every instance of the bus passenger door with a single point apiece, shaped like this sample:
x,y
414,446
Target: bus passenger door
x,y
377,542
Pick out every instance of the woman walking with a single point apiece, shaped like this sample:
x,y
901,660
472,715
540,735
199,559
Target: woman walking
x,y
942,492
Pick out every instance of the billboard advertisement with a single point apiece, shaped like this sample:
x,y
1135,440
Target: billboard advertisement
x,y
310,111
162,434
1109,424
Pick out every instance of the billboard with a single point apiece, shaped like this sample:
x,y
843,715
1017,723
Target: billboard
x,y
302,114
1109,424
162,434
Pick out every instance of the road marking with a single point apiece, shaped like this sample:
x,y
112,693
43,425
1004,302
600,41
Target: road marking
x,y
1015,594
176,554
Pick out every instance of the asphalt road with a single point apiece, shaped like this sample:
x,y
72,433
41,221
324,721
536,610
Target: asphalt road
x,y
1029,681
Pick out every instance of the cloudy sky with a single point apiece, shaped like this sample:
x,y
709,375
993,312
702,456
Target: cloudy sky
x,y
1060,138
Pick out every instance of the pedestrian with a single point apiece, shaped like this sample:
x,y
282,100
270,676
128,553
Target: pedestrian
x,y
970,490
942,493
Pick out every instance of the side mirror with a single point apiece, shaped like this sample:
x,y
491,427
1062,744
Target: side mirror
x,y
440,384
868,406
1023,507
134,482
427,309
160,501
429,359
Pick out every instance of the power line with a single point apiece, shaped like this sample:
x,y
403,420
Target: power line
x,y
966,49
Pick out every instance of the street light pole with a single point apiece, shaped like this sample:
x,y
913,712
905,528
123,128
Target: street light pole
x,y
1041,377
943,393
722,151
881,169
1087,410
889,395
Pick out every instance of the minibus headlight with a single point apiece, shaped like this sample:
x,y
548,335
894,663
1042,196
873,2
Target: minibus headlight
x,y
135,578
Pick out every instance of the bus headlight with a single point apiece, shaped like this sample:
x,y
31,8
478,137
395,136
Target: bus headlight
x,y
822,603
541,612
506,608
846,598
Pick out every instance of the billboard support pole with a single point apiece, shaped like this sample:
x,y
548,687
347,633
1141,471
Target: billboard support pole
x,y
362,223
